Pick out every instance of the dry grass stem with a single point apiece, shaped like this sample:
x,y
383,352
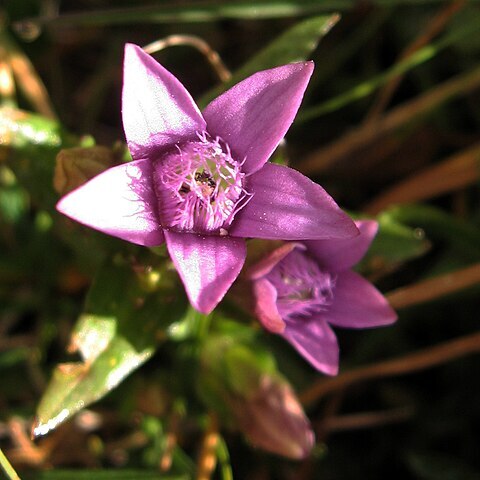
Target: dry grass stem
x,y
363,420
201,45
16,341
26,452
436,287
7,84
28,80
435,27
208,457
171,441
412,111
413,362
456,172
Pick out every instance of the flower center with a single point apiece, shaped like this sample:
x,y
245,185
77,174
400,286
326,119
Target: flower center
x,y
200,187
303,288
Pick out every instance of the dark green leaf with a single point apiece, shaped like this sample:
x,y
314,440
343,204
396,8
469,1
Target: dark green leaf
x,y
122,326
395,243
294,45
440,467
417,58
462,236
30,143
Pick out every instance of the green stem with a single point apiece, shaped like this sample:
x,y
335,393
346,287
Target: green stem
x,y
7,467
224,459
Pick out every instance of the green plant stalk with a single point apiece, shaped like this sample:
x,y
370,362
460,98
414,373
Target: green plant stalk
x,y
224,459
7,467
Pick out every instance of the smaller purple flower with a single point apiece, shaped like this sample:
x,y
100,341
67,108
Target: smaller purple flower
x,y
201,181
300,289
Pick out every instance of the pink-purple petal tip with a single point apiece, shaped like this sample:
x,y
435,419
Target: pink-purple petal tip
x,y
286,205
157,110
341,254
119,202
254,115
207,265
358,304
316,342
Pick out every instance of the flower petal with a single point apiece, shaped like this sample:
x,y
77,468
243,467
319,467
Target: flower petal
x,y
157,110
265,265
342,254
207,265
358,304
286,205
266,310
254,115
316,342
120,202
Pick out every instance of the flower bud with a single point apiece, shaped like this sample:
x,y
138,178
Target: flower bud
x,y
273,419
240,381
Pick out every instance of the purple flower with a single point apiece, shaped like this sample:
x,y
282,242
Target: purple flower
x,y
201,182
301,289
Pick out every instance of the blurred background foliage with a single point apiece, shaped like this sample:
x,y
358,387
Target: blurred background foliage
x,y
390,126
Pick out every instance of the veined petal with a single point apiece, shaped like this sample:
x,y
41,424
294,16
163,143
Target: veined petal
x,y
358,304
207,265
157,110
254,115
266,306
342,254
286,205
120,202
316,342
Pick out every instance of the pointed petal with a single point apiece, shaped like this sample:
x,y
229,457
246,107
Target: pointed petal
x,y
286,205
264,266
265,295
207,265
120,202
358,304
316,342
341,254
254,115
157,110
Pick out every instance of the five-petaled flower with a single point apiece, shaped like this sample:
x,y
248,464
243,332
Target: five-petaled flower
x,y
302,288
201,182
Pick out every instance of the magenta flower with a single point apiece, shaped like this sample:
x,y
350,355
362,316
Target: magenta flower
x,y
201,182
301,289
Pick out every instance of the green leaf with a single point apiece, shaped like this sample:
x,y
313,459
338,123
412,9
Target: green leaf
x,y
435,466
13,203
364,89
122,326
190,13
21,129
13,357
209,11
294,45
460,235
30,143
395,243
